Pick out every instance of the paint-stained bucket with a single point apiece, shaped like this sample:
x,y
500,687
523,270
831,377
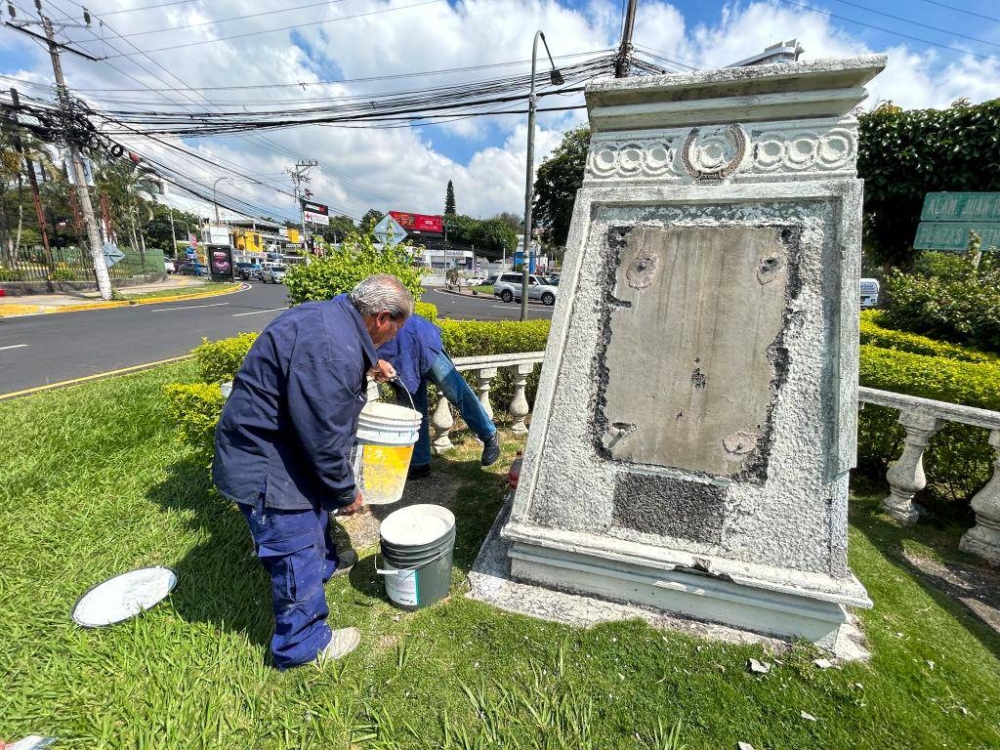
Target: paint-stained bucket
x,y
386,435
417,546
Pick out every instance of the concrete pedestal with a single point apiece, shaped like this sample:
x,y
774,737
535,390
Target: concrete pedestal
x,y
696,417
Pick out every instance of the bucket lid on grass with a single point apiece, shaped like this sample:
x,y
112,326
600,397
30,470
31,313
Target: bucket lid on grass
x,y
123,596
417,524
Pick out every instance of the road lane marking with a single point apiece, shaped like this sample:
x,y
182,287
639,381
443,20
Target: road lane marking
x,y
190,307
259,312
13,346
87,378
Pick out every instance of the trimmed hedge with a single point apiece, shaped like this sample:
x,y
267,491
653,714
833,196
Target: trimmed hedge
x,y
218,361
874,334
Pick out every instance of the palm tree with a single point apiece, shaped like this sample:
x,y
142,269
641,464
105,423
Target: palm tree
x,y
129,190
12,173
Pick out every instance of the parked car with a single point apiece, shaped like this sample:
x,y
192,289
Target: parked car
x,y
274,274
191,268
508,288
168,265
247,271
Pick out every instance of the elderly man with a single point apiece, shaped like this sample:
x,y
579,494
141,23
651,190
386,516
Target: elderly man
x,y
283,450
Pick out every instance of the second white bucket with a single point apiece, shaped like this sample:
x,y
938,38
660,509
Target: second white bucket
x,y
386,436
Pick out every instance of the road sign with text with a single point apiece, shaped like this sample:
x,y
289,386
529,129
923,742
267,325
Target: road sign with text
x,y
947,219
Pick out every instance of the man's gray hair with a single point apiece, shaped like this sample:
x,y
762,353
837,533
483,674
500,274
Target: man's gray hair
x,y
382,293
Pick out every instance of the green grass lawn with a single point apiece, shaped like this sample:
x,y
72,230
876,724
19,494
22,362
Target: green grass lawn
x,y
94,482
210,286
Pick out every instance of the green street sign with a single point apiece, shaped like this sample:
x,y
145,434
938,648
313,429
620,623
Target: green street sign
x,y
979,207
954,235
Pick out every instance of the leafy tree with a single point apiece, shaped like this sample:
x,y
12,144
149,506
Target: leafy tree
x,y
449,200
370,219
342,268
512,220
495,237
558,179
340,227
463,230
903,155
158,232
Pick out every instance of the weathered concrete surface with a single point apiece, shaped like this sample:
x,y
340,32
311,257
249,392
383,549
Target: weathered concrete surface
x,y
697,393
737,247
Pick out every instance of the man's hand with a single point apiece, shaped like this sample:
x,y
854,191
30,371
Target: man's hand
x,y
382,371
350,510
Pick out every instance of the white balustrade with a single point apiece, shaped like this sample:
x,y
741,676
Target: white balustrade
x,y
921,418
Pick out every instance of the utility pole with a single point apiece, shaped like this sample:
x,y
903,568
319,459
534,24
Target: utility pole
x,y
623,60
76,161
299,175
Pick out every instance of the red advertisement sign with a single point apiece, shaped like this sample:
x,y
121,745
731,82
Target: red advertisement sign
x,y
418,222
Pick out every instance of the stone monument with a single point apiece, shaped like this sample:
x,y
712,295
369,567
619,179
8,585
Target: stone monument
x,y
696,417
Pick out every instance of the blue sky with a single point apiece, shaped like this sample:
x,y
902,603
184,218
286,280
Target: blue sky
x,y
409,168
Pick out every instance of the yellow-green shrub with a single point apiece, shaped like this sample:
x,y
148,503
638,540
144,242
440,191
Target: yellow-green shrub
x,y
219,361
196,408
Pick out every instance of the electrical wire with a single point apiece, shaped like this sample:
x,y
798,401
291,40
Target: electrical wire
x,y
917,23
888,31
287,28
961,10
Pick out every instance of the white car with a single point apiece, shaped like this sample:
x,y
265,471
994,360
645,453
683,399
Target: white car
x,y
274,274
168,265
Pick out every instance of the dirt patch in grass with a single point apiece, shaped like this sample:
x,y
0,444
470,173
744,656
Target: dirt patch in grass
x,y
978,589
439,488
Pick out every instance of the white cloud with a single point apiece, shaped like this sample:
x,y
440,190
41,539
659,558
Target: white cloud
x,y
401,168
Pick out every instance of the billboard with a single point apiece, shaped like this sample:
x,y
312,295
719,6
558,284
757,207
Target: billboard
x,y
315,213
418,222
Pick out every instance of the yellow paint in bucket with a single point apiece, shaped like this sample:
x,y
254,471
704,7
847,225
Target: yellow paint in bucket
x,y
386,435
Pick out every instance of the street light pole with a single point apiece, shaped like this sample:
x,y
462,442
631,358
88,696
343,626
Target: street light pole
x,y
214,197
557,80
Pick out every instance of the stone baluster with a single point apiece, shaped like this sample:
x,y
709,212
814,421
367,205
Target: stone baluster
x,y
441,424
983,539
483,377
906,476
519,404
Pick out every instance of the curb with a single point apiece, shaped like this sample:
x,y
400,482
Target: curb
x,y
483,297
25,310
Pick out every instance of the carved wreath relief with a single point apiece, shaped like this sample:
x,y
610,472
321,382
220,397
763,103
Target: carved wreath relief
x,y
716,153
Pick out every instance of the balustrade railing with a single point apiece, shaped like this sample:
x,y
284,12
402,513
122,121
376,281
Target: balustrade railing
x,y
485,370
920,419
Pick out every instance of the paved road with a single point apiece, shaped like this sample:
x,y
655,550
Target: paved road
x,y
467,307
44,349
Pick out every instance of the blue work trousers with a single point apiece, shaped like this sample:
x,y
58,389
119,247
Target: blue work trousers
x,y
452,385
297,554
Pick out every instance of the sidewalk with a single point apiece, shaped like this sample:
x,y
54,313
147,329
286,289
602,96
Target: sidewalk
x,y
40,304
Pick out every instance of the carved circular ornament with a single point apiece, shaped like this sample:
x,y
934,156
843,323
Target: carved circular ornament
x,y
714,153
651,158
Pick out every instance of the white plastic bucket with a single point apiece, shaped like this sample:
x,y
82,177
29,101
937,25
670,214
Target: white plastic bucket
x,y
386,435
417,545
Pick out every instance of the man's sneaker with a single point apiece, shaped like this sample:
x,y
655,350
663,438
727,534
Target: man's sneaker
x,y
419,472
491,450
342,642
346,560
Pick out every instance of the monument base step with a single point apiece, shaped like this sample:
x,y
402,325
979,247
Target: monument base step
x,y
583,590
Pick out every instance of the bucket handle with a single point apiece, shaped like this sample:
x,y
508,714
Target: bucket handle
x,y
402,387
397,571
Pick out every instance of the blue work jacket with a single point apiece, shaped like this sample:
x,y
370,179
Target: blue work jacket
x,y
414,350
288,428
